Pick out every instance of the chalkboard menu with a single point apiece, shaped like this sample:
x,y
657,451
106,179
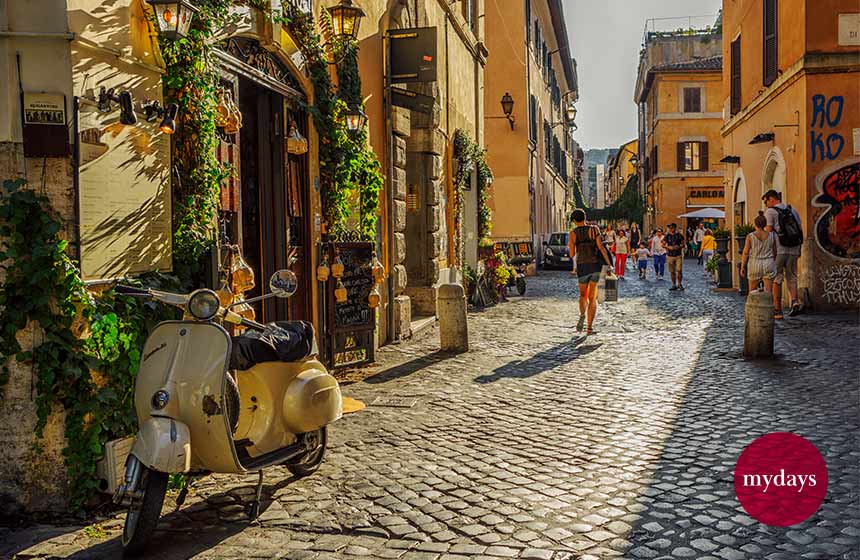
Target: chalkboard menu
x,y
355,312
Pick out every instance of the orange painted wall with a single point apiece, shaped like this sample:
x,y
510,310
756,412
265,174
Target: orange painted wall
x,y
822,24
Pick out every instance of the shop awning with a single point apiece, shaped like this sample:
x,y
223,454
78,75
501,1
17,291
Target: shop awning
x,y
704,213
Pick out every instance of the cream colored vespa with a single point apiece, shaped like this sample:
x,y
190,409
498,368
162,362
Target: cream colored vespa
x,y
196,416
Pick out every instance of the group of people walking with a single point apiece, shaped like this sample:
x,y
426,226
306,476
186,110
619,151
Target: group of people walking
x,y
769,256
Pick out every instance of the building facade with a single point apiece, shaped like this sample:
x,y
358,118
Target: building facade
x,y
532,156
792,123
679,95
621,166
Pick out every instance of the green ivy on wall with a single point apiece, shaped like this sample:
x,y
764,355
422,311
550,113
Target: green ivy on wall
x,y
92,377
469,157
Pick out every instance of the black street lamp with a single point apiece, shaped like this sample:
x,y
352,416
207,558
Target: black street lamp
x,y
508,108
173,17
346,19
355,119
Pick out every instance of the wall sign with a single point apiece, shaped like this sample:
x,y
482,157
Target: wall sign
x,y
412,100
849,30
350,325
707,193
45,129
412,55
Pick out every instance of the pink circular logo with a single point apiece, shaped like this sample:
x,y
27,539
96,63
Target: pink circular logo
x,y
781,479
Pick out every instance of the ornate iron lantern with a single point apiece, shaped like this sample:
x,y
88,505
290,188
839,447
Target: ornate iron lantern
x,y
346,19
173,17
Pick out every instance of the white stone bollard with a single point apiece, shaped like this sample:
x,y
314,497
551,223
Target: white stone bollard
x,y
451,309
758,330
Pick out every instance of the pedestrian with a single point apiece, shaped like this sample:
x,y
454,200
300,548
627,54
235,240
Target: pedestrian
x,y
698,238
658,251
635,238
622,250
785,222
707,247
758,261
689,244
674,244
585,244
642,254
609,239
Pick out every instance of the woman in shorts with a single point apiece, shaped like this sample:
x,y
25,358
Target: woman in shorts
x,y
758,262
584,243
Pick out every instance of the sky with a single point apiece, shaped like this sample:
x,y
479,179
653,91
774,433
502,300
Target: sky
x,y
606,36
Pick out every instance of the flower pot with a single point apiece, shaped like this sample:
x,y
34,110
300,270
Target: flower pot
x,y
722,245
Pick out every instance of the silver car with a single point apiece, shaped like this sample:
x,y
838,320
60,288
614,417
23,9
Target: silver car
x,y
555,253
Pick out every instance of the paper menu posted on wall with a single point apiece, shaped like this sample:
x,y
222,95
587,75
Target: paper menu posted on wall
x,y
856,134
124,196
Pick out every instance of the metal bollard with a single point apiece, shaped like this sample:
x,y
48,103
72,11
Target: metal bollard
x,y
758,330
451,309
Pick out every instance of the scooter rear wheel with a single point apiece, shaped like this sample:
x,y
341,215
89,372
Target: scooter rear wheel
x,y
142,516
312,460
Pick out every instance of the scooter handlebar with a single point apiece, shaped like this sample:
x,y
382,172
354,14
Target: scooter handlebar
x,y
130,290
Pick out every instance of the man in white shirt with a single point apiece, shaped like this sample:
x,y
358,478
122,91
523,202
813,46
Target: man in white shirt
x,y
786,255
698,237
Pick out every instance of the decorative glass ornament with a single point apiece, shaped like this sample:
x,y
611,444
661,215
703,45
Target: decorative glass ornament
x,y
340,292
225,295
323,270
245,310
296,143
242,274
377,269
374,297
337,267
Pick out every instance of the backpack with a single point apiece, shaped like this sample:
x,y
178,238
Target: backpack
x,y
790,233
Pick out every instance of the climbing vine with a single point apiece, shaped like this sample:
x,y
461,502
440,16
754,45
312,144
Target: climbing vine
x,y
469,157
85,350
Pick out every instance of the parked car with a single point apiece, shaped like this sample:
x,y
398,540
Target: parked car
x,y
555,252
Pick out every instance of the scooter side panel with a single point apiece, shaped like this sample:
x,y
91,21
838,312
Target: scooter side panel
x,y
311,401
189,360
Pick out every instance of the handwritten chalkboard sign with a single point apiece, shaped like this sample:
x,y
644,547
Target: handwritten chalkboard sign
x,y
355,312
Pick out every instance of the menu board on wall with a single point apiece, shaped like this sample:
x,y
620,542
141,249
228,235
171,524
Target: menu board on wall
x,y
123,196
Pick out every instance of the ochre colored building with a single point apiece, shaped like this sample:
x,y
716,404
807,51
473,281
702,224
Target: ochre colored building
x,y
621,168
791,102
681,151
533,164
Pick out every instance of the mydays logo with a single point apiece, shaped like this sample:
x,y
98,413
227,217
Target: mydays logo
x,y
779,480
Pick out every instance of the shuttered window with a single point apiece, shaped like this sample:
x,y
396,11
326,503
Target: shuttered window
x,y
528,19
692,100
771,41
533,121
654,164
693,156
736,76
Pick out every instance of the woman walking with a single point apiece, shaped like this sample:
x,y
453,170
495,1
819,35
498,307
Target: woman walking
x,y
584,244
758,262
658,252
635,238
622,250
707,248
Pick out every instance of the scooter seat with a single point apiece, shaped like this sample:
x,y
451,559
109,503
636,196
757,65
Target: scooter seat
x,y
282,341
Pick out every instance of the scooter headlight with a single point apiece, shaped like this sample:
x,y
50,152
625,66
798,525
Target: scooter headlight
x,y
160,399
204,304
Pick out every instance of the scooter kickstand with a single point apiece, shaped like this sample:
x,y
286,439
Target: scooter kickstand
x,y
255,508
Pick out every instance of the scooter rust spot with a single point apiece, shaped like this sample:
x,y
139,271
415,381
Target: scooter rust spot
x,y
210,406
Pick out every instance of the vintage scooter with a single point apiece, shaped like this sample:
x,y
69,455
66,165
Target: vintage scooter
x,y
197,416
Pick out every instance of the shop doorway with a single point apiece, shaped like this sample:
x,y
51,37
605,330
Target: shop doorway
x,y
275,226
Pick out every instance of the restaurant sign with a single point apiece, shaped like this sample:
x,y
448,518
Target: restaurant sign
x,y
705,196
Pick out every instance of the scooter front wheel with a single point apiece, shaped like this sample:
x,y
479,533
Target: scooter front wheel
x,y
311,460
143,514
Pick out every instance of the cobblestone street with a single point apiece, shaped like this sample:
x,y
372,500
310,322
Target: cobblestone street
x,y
540,443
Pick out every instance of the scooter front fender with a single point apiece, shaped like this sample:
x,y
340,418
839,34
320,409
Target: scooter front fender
x,y
164,445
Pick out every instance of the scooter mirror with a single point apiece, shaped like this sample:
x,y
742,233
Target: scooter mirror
x,y
283,283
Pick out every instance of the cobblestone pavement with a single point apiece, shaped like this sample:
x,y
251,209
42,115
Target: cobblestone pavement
x,y
542,444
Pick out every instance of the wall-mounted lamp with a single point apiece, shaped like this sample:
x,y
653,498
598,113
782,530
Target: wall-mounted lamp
x,y
173,17
508,108
123,99
355,119
152,110
346,19
731,159
762,138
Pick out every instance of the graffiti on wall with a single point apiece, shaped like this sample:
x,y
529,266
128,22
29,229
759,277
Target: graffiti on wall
x,y
841,284
826,114
838,228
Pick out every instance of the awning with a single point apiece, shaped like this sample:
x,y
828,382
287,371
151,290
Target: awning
x,y
704,213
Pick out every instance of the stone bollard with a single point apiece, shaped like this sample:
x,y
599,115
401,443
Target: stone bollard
x,y
758,331
451,308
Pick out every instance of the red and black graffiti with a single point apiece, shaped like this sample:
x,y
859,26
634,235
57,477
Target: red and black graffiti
x,y
838,229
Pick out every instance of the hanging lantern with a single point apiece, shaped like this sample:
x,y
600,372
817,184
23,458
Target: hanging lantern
x,y
340,292
345,19
225,295
323,270
296,143
377,269
242,274
337,267
374,297
173,17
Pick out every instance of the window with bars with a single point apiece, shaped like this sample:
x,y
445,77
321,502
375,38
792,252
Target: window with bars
x,y
692,156
735,76
692,100
770,41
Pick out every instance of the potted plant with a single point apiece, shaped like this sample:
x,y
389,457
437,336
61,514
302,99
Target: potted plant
x,y
711,266
741,232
